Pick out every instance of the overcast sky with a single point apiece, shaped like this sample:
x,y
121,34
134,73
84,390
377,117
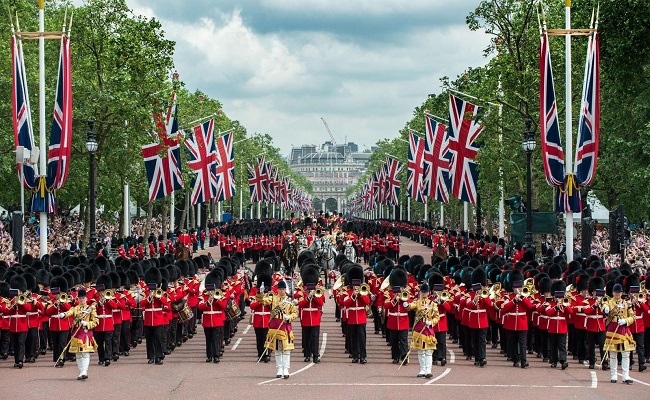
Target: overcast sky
x,y
279,65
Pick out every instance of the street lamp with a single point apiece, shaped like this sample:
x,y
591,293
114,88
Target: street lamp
x,y
528,146
91,146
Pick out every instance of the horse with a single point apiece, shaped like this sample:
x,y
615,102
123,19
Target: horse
x,y
182,252
350,252
441,252
325,255
289,257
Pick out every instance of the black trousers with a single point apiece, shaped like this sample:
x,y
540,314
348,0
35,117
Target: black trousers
x,y
59,340
452,326
213,338
357,335
154,337
557,347
517,345
468,341
31,343
376,319
260,337
398,343
125,337
104,345
136,329
581,343
479,337
117,333
4,341
18,340
171,334
494,332
44,336
639,338
595,339
544,343
440,353
165,336
310,336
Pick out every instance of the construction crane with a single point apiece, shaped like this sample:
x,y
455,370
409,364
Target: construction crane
x,y
330,132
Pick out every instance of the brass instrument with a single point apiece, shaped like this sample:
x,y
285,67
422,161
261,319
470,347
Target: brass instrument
x,y
318,292
364,289
444,296
216,294
21,299
484,293
566,301
525,291
63,298
108,294
158,293
404,295
338,283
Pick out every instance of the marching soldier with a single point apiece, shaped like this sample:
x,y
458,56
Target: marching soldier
x,y
620,316
213,305
84,321
280,335
310,307
424,339
17,308
396,305
261,312
154,305
59,327
355,302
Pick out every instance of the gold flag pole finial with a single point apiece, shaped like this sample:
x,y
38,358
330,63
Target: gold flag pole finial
x,y
41,4
567,3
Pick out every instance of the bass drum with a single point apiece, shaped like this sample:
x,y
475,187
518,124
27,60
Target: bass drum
x,y
185,314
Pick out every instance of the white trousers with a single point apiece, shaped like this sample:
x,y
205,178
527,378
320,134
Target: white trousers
x,y
282,361
625,364
83,361
425,359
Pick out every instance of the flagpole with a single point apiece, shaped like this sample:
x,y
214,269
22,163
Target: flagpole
x,y
502,210
465,215
171,217
408,208
241,198
426,211
41,119
125,212
442,214
568,159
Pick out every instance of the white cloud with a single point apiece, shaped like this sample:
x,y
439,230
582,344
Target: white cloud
x,y
281,81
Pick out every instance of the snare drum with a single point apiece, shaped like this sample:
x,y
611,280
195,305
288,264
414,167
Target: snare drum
x,y
232,311
185,314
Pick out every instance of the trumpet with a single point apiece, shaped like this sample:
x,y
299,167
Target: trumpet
x,y
318,292
158,293
63,298
525,291
484,293
108,294
216,294
566,301
444,296
404,295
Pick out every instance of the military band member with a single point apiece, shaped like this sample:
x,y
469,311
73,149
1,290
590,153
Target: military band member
x,y
213,305
82,343
310,307
424,338
280,335
620,316
440,329
59,327
355,302
260,311
17,308
515,320
154,306
396,304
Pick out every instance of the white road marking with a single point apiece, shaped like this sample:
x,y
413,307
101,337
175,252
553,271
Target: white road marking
x,y
311,364
433,384
234,346
636,380
594,380
246,330
437,378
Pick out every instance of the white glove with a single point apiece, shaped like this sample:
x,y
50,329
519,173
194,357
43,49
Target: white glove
x,y
405,304
429,323
606,310
62,315
286,317
622,321
84,324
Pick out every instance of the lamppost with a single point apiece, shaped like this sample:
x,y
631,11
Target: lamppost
x,y
91,146
528,146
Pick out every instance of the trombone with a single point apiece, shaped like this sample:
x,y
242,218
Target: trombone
x,y
363,290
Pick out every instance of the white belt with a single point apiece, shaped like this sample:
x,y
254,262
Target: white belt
x,y
153,309
594,316
261,313
351,308
316,309
638,316
104,316
117,310
18,316
556,318
398,314
581,315
32,313
212,312
475,311
443,315
516,314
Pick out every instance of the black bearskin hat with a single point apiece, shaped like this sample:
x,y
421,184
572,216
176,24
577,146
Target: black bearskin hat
x,y
152,275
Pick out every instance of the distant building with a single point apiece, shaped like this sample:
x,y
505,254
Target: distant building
x,y
331,169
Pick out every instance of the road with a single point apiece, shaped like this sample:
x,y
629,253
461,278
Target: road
x,y
186,375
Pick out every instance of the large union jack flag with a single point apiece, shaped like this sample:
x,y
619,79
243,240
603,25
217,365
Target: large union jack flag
x,y
162,160
415,168
462,150
552,152
225,167
257,181
392,183
21,115
203,160
436,164
589,124
58,163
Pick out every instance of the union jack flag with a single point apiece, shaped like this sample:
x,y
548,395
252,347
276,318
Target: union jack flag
x,y
58,163
589,124
22,115
463,131
436,164
225,167
378,187
203,160
162,160
257,181
552,152
415,168
273,185
368,197
392,183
